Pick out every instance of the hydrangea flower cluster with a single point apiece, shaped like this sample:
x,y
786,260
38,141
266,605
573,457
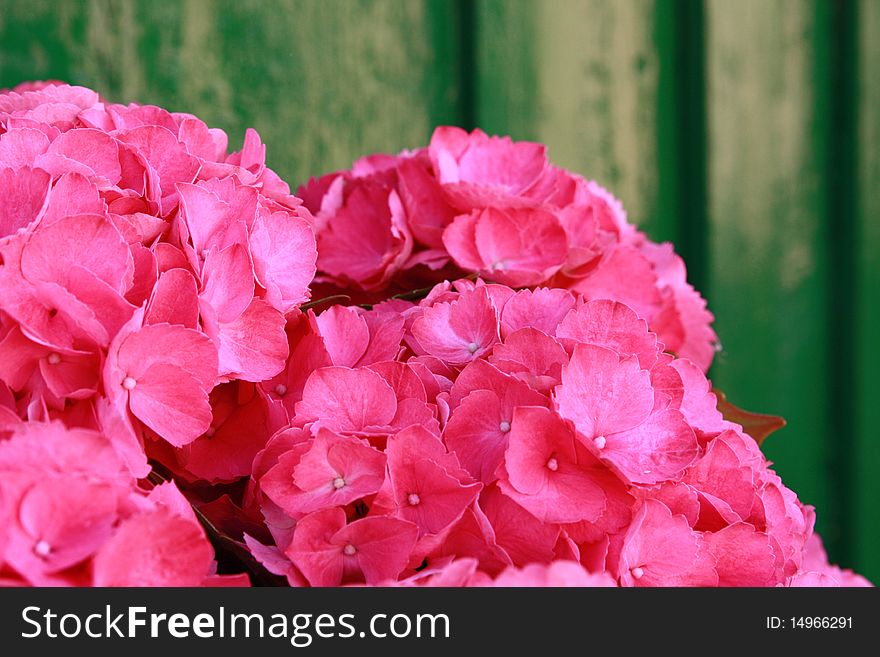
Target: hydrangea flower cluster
x,y
539,416
471,203
140,267
510,433
72,515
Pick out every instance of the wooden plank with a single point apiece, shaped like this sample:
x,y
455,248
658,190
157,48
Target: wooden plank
x,y
866,387
768,127
584,76
323,81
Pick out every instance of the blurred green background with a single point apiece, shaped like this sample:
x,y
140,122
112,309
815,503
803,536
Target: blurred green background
x,y
745,131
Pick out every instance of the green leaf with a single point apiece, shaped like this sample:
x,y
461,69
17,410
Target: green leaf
x,y
757,425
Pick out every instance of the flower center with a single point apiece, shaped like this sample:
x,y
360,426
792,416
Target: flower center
x,y
338,483
472,347
349,549
129,383
54,358
599,441
413,499
504,427
553,464
42,549
281,390
637,572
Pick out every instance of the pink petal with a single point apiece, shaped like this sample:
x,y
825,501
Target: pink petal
x,y
345,335
626,276
185,348
88,241
346,400
154,549
386,334
20,147
556,574
699,404
426,207
523,537
227,282
520,247
602,393
743,556
228,452
253,347
441,497
660,549
542,309
320,560
284,253
658,449
23,193
72,194
532,357
174,300
161,150
94,149
460,241
172,403
67,517
613,325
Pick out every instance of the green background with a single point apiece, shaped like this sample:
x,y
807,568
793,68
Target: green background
x,y
745,131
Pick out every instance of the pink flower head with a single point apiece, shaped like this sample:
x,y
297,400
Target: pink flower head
x,y
439,430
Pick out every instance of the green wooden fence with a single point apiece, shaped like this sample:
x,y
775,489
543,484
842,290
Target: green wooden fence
x,y
745,131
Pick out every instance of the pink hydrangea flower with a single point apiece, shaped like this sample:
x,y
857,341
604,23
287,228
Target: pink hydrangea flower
x,y
537,415
474,203
73,516
140,265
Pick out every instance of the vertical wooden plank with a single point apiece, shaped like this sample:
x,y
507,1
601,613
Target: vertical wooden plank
x,y
324,81
584,77
866,387
768,127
